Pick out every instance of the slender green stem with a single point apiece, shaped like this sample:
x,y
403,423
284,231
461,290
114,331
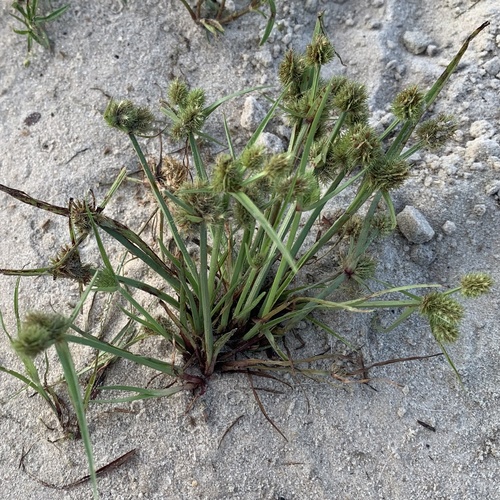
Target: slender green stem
x,y
159,198
206,308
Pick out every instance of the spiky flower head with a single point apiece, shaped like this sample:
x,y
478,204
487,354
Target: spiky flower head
x,y
365,268
435,132
253,157
364,145
243,217
320,51
387,173
302,188
291,70
382,224
172,172
38,332
227,176
106,281
444,315
298,108
80,217
203,204
337,158
67,264
362,268
278,166
196,99
177,93
351,98
190,120
475,284
353,225
127,117
409,104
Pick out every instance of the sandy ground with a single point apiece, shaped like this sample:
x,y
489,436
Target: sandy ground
x,y
344,441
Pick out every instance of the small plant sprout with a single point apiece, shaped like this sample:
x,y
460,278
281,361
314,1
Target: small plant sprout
x,y
226,268
34,23
213,15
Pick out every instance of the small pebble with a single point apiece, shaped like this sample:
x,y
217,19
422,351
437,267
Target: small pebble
x,y
271,142
416,42
479,210
492,66
493,188
311,5
449,227
253,114
414,225
482,128
481,149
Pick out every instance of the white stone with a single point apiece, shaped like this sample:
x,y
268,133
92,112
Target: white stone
x,y
271,142
416,42
414,225
449,227
253,114
492,66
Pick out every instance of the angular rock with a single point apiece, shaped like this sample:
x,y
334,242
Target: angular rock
x,y
414,225
253,114
416,42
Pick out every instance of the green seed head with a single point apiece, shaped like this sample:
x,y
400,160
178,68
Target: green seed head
x,y
365,145
127,117
387,173
302,188
227,175
243,217
475,284
291,70
365,268
177,93
320,51
353,226
444,315
352,98
205,206
190,121
106,281
196,99
38,332
253,157
409,104
444,332
338,157
382,224
278,166
436,132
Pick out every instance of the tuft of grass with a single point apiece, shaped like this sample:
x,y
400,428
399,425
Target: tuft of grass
x,y
233,239
30,15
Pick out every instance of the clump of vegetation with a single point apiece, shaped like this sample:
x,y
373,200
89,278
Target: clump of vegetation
x,y
247,215
213,15
30,15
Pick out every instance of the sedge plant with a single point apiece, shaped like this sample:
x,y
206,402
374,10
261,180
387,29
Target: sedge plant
x,y
34,21
248,215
